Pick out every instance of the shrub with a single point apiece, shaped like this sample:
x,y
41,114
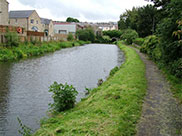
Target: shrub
x,y
86,35
138,41
70,37
176,68
12,39
151,47
64,96
129,35
113,33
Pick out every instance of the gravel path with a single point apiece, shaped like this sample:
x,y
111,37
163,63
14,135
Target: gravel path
x,y
161,114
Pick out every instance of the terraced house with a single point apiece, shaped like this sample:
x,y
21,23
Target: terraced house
x,y
28,19
47,26
4,18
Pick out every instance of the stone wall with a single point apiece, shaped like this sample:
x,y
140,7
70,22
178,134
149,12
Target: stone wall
x,y
4,16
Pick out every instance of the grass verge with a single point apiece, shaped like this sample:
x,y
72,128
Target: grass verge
x,y
26,51
112,109
176,84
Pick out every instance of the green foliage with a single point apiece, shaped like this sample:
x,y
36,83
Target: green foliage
x,y
12,39
70,19
151,47
26,51
86,35
142,19
64,97
24,130
170,43
113,71
129,36
111,109
113,33
70,37
138,41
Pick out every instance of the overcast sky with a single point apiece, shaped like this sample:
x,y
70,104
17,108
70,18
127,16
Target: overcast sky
x,y
84,10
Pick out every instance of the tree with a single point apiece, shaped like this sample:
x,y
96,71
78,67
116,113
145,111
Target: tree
x,y
142,19
146,20
86,35
70,19
160,3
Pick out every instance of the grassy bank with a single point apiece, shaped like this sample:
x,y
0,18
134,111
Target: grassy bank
x,y
29,50
112,109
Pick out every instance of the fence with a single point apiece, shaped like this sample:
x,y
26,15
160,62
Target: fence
x,y
29,35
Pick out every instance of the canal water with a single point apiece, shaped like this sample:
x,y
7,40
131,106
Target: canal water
x,y
24,84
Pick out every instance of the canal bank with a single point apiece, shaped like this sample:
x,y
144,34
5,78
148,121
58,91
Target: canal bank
x,y
27,50
24,84
114,108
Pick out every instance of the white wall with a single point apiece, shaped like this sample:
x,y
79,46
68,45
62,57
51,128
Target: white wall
x,y
65,28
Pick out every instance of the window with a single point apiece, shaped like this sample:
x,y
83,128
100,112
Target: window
x,y
35,29
37,22
62,32
31,21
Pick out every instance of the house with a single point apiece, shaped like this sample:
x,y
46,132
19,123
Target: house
x,y
47,26
4,17
108,26
28,19
64,27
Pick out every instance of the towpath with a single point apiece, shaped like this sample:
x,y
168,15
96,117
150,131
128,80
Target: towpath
x,y
161,114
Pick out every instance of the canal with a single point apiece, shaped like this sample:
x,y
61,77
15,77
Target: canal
x,y
24,84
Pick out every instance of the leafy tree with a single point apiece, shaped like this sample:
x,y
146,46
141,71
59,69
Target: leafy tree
x,y
146,20
70,19
142,19
160,3
129,35
86,35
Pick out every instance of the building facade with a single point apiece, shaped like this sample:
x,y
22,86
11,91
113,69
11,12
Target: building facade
x,y
28,19
64,27
4,16
47,26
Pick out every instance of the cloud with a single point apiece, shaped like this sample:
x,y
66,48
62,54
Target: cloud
x,y
85,10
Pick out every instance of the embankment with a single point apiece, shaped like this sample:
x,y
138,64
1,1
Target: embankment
x,y
25,51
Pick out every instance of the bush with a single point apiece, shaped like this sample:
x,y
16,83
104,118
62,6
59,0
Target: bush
x,y
70,37
151,47
176,68
129,35
12,39
64,96
113,33
138,41
86,35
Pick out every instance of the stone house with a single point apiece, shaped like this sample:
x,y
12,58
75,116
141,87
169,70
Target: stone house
x,y
28,19
47,26
4,17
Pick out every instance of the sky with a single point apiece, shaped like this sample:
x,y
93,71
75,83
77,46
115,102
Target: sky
x,y
84,10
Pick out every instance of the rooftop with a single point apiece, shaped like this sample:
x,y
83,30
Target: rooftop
x,y
20,13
